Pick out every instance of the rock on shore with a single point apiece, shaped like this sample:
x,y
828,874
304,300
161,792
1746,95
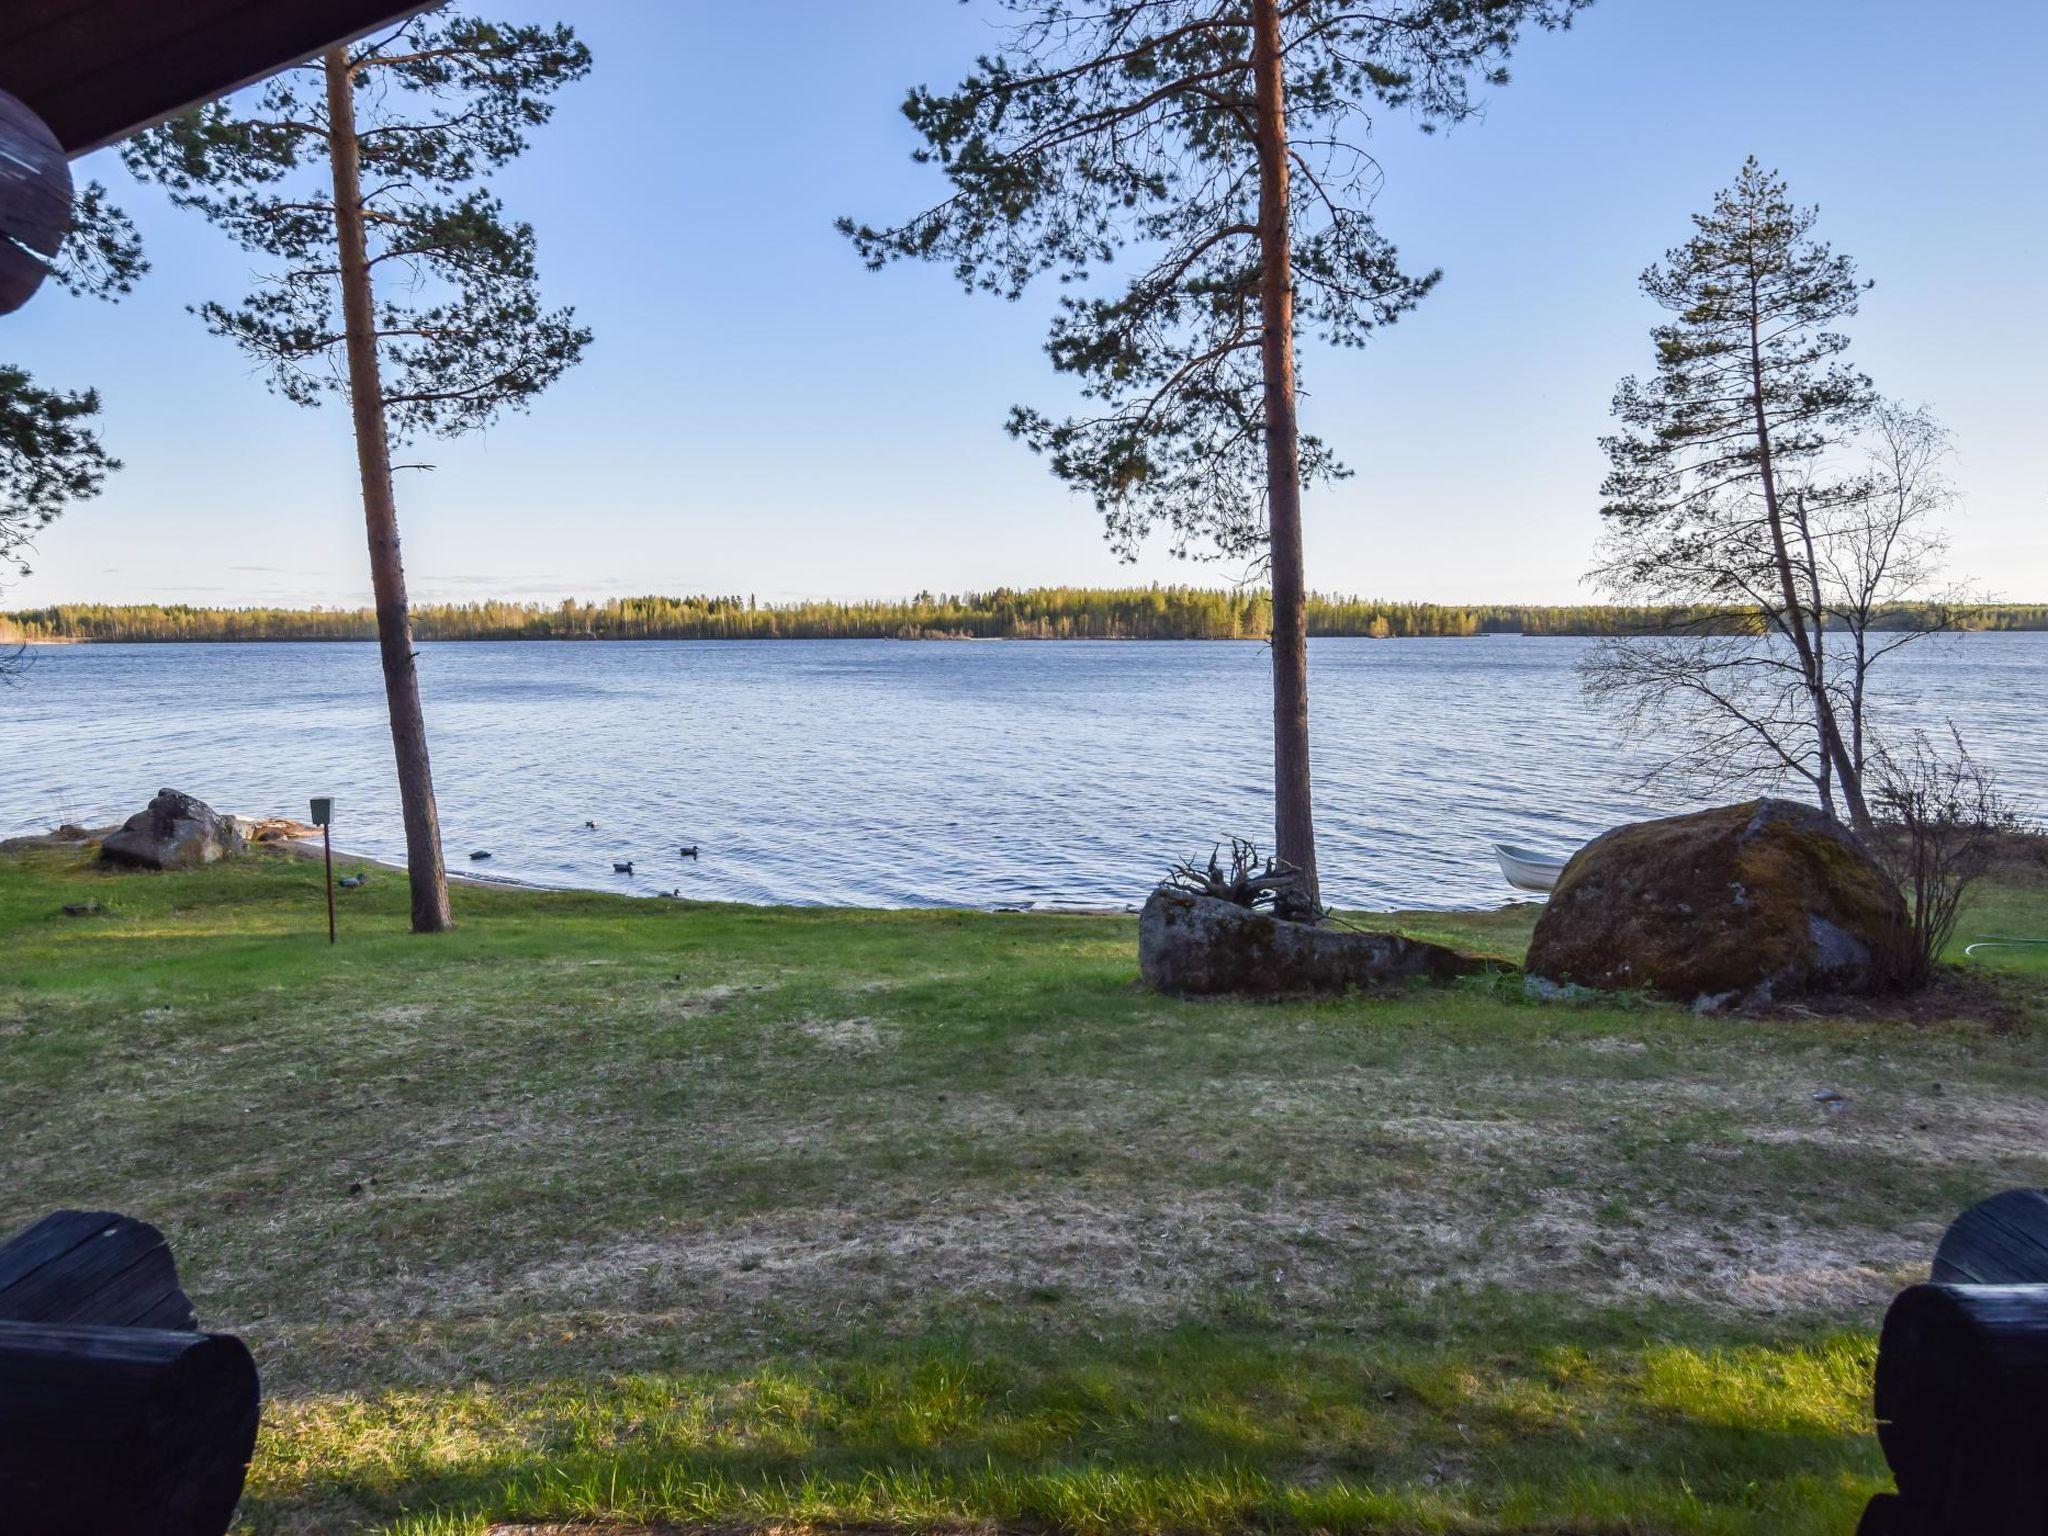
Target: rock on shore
x,y
1743,904
175,832
1195,946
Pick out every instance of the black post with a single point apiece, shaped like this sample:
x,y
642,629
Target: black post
x,y
327,839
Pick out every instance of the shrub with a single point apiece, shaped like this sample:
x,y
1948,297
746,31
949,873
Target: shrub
x,y
1943,820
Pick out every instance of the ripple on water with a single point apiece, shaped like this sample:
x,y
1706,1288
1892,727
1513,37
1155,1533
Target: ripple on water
x,y
880,772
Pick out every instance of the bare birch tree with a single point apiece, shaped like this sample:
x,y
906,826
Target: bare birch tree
x,y
1882,560
1721,688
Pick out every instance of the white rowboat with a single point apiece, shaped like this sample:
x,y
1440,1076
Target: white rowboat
x,y
1528,870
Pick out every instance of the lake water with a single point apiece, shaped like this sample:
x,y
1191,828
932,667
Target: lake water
x,y
892,773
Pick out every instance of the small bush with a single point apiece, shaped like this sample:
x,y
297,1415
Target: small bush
x,y
1944,819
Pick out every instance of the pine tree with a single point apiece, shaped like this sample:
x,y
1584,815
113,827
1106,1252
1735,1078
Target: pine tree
x,y
1218,146
359,169
1724,469
50,456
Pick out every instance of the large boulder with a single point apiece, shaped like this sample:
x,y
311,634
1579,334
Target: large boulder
x,y
1741,904
1197,945
176,832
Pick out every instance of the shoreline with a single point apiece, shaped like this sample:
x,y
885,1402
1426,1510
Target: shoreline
x,y
28,645
312,849
55,641
298,841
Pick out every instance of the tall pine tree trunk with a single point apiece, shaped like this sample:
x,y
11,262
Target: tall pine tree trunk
x,y
429,878
1294,832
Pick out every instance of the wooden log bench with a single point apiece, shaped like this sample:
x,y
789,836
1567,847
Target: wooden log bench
x,y
1961,1390
92,1267
2002,1241
123,1431
117,1417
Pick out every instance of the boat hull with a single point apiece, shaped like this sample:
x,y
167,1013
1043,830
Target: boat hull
x,y
1526,870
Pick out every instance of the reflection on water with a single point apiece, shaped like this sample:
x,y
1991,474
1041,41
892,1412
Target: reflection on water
x,y
882,772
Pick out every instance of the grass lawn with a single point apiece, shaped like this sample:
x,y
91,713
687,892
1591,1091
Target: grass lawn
x,y
653,1212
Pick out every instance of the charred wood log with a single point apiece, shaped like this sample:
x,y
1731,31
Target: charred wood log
x,y
2001,1241
1962,1411
1962,1382
92,1267
123,1431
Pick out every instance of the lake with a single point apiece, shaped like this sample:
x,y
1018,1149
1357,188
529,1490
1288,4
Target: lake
x,y
894,773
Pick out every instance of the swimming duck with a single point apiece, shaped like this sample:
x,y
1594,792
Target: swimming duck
x,y
689,852
622,869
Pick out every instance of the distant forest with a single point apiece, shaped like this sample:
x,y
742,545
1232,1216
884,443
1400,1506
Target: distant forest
x,y
1040,613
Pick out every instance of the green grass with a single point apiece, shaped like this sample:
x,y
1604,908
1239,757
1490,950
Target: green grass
x,y
646,1211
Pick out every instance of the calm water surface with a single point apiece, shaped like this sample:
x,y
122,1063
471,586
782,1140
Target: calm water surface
x,y
886,773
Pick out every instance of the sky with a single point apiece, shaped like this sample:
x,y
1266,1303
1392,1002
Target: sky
x,y
759,414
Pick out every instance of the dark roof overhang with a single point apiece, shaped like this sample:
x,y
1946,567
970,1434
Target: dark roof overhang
x,y
98,70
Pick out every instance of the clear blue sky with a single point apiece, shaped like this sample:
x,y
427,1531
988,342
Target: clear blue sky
x,y
759,414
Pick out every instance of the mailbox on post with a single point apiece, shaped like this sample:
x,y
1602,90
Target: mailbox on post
x,y
323,818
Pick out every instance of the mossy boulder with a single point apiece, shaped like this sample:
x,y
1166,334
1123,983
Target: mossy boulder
x,y
1196,946
1748,903
175,832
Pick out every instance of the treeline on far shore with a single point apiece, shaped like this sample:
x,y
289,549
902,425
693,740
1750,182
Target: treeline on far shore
x,y
1039,613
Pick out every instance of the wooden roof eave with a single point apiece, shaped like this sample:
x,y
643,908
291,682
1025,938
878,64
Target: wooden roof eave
x,y
97,71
